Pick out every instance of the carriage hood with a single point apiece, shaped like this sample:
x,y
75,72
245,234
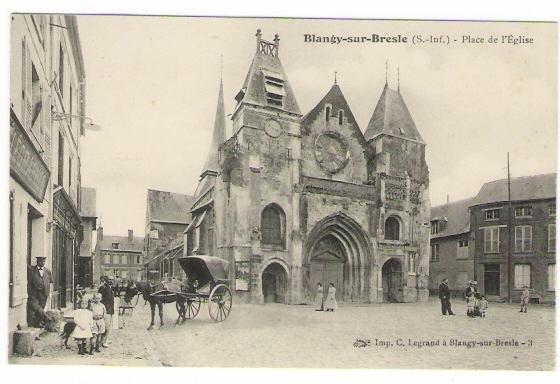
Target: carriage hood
x,y
205,269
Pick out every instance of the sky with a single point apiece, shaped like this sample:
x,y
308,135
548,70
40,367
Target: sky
x,y
152,85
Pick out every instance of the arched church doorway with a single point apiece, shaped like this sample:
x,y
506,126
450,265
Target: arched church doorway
x,y
274,283
392,281
327,265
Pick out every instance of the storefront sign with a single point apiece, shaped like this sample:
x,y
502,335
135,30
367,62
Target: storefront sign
x,y
26,164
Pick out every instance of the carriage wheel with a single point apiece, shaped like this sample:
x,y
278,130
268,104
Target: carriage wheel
x,y
192,307
219,304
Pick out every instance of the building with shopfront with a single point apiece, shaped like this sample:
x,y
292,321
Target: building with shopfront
x,y
47,122
292,200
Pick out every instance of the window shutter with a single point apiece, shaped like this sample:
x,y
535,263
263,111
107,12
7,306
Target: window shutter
x,y
26,86
518,239
47,133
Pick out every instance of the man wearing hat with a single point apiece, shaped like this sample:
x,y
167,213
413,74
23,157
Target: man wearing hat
x,y
444,296
39,279
107,299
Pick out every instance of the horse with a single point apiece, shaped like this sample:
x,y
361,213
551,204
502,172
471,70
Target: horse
x,y
146,289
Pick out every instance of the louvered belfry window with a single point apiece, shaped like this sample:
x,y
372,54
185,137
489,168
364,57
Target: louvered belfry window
x,y
274,86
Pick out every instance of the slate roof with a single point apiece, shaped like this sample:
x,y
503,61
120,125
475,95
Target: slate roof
x,y
456,216
336,99
525,188
211,166
391,116
168,207
137,244
254,91
88,203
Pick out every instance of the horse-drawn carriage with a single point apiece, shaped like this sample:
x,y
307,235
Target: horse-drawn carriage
x,y
207,282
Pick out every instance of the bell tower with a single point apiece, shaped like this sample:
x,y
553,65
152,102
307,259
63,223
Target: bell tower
x,y
260,172
397,166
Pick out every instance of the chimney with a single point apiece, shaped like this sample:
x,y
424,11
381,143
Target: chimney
x,y
447,199
130,236
100,233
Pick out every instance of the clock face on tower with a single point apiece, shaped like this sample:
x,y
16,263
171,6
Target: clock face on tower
x,y
331,152
272,128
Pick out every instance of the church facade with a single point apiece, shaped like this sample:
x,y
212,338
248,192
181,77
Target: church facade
x,y
293,200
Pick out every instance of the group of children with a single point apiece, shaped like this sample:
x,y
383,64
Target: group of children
x,y
476,305
90,324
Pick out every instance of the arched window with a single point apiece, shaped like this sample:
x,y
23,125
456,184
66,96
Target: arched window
x,y
392,228
340,116
328,113
272,226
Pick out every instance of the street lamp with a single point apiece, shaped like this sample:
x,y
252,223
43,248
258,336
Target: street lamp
x,y
58,116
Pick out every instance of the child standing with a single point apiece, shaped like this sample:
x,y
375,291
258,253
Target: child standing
x,y
483,306
525,299
84,321
98,311
471,303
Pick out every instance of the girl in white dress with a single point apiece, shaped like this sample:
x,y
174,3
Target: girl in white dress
x,y
330,303
84,321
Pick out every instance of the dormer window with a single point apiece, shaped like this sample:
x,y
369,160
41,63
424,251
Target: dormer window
x,y
274,86
437,225
115,245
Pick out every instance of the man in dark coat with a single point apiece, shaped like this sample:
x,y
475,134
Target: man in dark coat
x,y
39,279
107,299
444,296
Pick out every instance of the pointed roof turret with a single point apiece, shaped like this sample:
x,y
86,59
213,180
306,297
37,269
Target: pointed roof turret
x,y
266,83
211,166
391,117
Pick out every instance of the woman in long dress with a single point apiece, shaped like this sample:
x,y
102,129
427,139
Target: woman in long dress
x,y
319,297
330,304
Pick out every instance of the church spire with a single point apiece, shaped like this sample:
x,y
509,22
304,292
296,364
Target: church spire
x,y
219,136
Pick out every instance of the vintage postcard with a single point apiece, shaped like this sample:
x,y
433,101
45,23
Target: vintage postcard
x,y
220,192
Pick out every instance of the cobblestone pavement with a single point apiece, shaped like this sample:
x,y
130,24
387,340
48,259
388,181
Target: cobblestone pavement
x,y
382,336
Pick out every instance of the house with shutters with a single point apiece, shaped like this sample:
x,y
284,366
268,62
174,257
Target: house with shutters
x,y
515,238
47,124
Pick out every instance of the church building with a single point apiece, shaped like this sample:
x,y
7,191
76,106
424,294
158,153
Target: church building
x,y
293,200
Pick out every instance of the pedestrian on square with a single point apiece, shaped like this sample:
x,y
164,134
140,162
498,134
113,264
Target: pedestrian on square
x,y
471,304
525,299
84,322
330,304
483,306
39,279
98,329
319,297
108,299
471,288
444,296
